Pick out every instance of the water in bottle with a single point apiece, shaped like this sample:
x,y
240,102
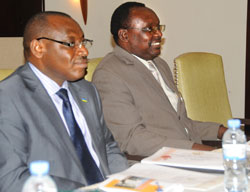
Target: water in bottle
x,y
39,181
234,155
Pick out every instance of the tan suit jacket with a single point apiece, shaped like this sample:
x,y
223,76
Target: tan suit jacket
x,y
138,112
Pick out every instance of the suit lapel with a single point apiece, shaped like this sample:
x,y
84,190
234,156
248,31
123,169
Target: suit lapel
x,y
55,122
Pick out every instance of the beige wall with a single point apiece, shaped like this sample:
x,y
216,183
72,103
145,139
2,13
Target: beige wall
x,y
11,52
217,26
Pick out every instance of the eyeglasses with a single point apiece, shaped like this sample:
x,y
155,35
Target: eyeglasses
x,y
87,43
152,29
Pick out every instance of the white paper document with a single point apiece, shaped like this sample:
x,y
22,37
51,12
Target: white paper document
x,y
167,178
193,159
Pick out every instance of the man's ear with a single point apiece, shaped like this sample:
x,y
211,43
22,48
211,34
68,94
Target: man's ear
x,y
37,48
123,35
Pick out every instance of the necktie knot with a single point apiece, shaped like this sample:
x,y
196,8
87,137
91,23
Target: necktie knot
x,y
152,68
151,65
63,94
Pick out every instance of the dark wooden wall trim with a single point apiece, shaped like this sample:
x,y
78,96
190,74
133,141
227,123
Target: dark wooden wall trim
x,y
43,5
247,74
15,13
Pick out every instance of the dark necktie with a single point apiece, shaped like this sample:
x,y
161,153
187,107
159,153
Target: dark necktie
x,y
92,172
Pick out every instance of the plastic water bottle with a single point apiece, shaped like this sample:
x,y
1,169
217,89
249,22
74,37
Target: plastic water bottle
x,y
39,181
235,159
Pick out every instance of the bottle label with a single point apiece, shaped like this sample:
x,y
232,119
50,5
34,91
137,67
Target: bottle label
x,y
234,152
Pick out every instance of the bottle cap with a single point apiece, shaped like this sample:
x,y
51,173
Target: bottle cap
x,y
233,123
39,167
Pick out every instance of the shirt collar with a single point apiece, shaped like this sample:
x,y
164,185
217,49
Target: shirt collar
x,y
145,62
51,86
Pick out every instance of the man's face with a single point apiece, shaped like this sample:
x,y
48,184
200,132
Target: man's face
x,y
60,62
146,45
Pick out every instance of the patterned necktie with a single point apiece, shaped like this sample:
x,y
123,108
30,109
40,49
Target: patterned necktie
x,y
172,96
154,71
92,172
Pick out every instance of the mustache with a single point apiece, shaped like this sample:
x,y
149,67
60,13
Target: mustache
x,y
82,59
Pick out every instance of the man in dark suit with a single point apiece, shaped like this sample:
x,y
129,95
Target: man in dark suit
x,y
38,123
141,103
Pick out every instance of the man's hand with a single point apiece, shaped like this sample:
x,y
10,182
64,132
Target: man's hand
x,y
221,131
197,146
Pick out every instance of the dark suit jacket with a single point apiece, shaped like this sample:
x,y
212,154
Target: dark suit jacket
x,y
138,112
31,129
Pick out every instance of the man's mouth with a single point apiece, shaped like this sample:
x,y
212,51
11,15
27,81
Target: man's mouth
x,y
82,62
156,44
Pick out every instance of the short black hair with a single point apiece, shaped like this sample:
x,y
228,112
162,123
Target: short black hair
x,y
120,17
36,25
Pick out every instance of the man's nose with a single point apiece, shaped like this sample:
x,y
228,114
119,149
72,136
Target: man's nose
x,y
82,50
158,33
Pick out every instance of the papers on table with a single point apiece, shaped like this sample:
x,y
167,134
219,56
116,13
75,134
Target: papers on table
x,y
132,183
153,178
163,172
194,159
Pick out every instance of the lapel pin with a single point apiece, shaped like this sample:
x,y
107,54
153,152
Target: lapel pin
x,y
84,100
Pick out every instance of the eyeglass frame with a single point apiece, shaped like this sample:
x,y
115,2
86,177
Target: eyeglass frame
x,y
71,45
153,29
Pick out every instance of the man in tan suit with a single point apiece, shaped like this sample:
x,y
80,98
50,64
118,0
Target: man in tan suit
x,y
140,100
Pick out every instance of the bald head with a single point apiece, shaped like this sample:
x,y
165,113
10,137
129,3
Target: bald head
x,y
38,26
